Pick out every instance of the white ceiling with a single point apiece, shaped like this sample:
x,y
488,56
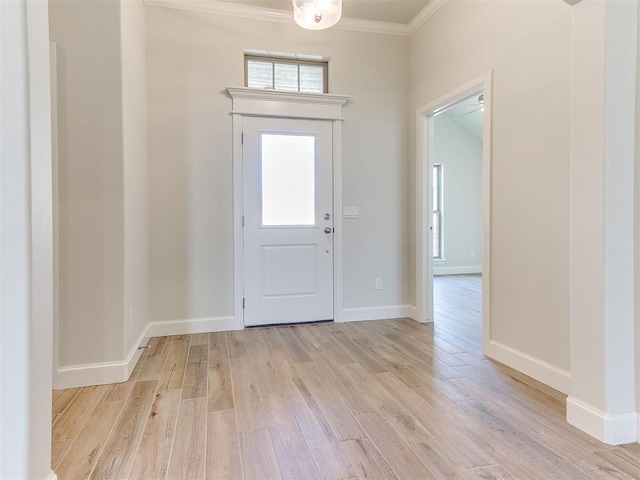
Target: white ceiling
x,y
395,11
468,116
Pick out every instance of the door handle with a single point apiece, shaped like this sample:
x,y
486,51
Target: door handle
x,y
328,230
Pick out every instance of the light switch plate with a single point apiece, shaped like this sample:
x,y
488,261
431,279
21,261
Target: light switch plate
x,y
350,212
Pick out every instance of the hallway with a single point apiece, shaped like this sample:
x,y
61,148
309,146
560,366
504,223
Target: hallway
x,y
374,399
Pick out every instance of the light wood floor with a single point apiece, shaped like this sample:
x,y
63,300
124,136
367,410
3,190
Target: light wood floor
x,y
379,399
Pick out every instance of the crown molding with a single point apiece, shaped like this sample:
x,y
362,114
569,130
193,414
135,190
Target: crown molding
x,y
423,15
228,9
372,26
218,7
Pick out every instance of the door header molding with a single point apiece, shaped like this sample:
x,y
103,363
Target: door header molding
x,y
273,103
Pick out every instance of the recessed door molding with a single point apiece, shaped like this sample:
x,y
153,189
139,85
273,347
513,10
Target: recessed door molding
x,y
273,104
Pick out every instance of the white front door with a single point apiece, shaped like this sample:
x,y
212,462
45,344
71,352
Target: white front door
x,y
288,220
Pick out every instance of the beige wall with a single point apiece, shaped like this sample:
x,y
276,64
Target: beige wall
x,y
103,178
191,59
135,170
90,180
527,45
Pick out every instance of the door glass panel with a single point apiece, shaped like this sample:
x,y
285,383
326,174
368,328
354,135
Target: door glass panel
x,y
288,179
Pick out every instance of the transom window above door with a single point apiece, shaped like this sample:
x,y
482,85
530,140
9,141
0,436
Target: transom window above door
x,y
291,75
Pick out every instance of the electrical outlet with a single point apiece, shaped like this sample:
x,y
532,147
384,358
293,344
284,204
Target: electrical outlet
x,y
131,316
378,284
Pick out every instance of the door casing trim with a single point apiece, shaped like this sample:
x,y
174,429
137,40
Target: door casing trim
x,y
271,104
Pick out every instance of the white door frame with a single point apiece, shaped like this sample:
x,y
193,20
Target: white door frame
x,y
424,170
274,104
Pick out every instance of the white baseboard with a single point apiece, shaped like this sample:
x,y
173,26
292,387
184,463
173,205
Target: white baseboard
x,y
411,312
542,371
90,374
377,313
611,429
101,373
119,371
52,476
197,325
457,270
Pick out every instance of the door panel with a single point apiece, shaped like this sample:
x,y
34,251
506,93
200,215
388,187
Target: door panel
x,y
288,221
289,270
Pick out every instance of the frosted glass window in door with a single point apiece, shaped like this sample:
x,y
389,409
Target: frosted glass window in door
x,y
288,179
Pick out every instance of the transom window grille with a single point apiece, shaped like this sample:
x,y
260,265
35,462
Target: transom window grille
x,y
283,74
437,211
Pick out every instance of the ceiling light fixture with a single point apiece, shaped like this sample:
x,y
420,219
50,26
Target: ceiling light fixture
x,y
317,14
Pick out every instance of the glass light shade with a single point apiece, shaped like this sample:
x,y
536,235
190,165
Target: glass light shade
x,y
317,14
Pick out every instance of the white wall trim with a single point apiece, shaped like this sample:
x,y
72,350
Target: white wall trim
x,y
53,58
469,269
218,7
542,371
103,372
227,9
611,429
238,257
52,476
338,224
423,15
196,325
273,103
377,313
119,371
372,26
91,374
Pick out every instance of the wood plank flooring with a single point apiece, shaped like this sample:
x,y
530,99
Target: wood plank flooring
x,y
388,399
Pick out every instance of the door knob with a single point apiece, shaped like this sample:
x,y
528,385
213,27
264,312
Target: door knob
x,y
328,230
327,216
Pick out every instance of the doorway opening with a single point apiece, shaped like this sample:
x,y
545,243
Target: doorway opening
x,y
453,210
457,217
